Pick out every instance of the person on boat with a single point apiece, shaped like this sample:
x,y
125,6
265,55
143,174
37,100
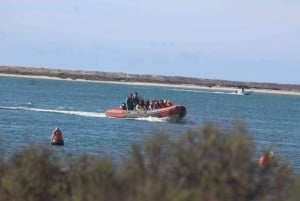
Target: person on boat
x,y
151,105
57,138
156,104
135,99
143,105
147,105
168,104
129,102
266,160
138,106
162,103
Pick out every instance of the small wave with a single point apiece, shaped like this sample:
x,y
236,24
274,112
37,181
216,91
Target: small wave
x,y
152,119
164,120
79,113
199,91
28,104
65,108
234,93
207,91
189,122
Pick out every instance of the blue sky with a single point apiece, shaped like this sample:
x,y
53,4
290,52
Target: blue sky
x,y
218,39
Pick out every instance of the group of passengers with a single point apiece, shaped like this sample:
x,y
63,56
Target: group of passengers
x,y
134,103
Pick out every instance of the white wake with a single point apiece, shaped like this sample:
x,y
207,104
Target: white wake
x,y
78,113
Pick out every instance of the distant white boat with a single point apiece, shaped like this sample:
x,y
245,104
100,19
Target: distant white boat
x,y
242,92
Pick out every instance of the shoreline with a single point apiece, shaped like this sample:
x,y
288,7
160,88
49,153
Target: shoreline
x,y
183,86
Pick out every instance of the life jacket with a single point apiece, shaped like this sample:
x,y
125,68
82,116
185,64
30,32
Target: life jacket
x,y
138,107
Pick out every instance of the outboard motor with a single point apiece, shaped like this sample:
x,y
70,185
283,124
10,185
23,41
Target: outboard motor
x,y
123,106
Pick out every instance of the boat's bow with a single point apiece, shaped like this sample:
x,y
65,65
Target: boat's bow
x,y
181,110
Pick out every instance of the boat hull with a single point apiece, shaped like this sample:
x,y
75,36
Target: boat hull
x,y
174,112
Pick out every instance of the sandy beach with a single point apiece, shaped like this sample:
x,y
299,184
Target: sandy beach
x,y
184,86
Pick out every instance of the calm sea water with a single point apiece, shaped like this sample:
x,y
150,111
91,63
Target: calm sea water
x,y
30,109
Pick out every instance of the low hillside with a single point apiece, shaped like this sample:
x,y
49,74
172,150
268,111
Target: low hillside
x,y
108,76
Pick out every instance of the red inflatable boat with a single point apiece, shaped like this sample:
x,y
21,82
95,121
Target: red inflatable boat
x,y
174,113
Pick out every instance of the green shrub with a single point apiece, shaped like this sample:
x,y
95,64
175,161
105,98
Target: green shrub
x,y
207,164
32,174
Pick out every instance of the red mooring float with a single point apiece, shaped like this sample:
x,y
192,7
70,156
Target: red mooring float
x,y
57,137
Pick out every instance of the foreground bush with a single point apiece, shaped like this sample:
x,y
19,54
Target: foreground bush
x,y
207,164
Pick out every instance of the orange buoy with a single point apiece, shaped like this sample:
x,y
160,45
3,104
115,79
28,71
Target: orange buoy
x,y
57,137
265,160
